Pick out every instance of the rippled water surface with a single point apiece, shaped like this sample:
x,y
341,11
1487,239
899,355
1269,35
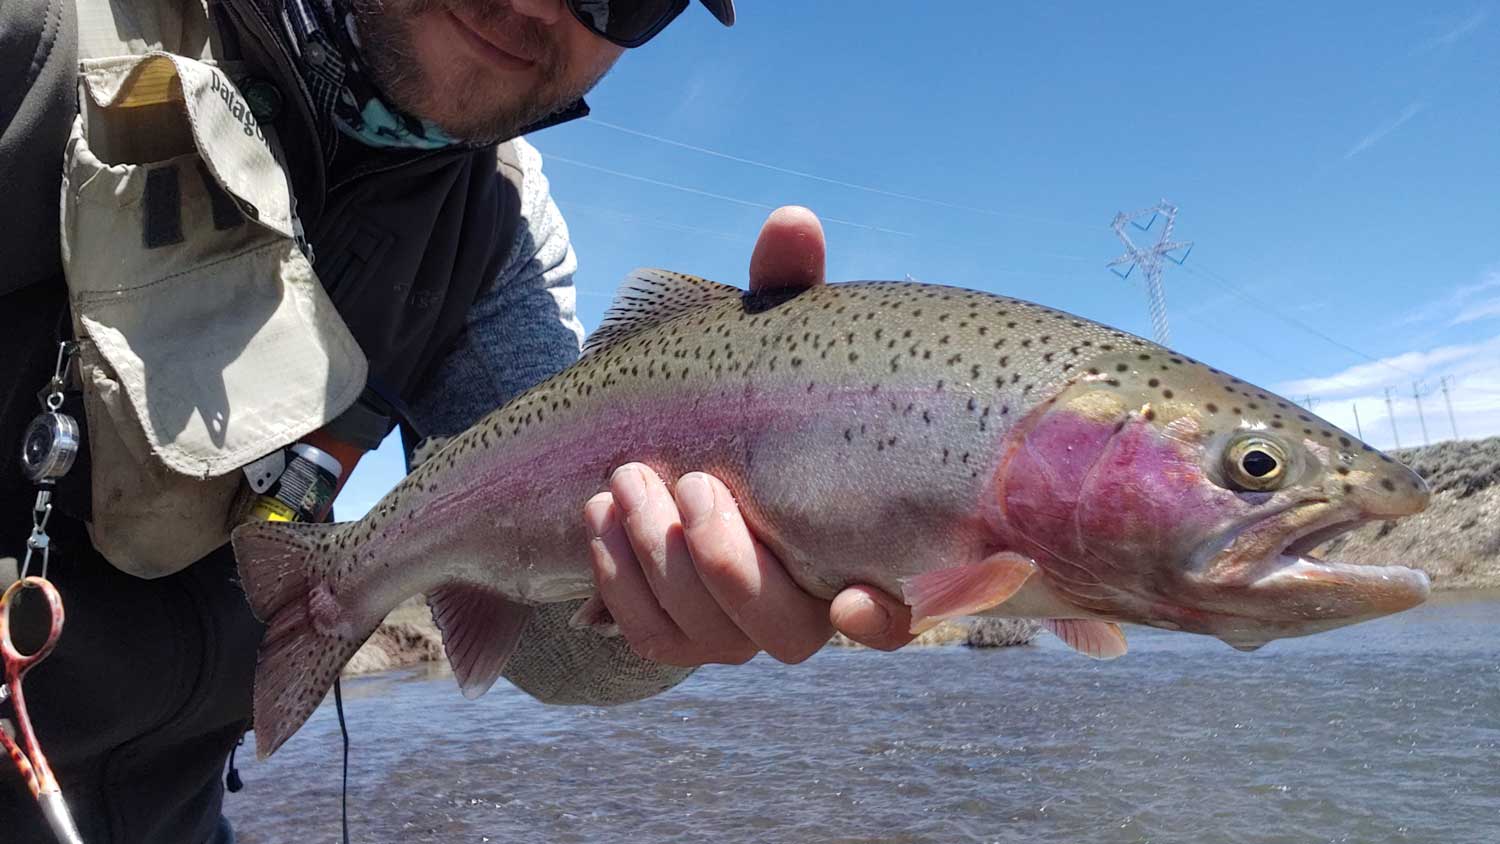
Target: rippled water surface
x,y
1386,732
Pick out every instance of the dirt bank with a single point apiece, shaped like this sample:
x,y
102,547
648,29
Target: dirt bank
x,y
408,637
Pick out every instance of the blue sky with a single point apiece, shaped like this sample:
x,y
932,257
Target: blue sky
x,y
1337,166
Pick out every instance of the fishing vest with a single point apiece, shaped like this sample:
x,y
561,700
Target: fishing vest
x,y
228,292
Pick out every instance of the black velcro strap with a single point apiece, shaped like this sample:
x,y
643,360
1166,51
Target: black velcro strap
x,y
162,207
226,211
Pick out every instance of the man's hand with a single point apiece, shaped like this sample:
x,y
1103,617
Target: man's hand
x,y
683,577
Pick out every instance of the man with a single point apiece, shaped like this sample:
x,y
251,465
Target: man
x,y
454,277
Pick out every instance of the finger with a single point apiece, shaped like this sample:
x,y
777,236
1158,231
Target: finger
x,y
655,530
745,578
872,618
790,252
622,585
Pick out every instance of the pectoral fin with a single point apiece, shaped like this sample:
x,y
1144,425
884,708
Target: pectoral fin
x,y
935,596
1098,639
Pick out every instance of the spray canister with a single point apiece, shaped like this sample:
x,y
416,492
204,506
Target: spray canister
x,y
305,490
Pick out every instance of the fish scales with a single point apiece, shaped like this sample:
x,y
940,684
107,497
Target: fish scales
x,y
866,430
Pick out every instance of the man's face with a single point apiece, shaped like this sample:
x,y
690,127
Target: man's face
x,y
480,69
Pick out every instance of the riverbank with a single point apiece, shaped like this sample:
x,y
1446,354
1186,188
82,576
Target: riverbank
x,y
408,637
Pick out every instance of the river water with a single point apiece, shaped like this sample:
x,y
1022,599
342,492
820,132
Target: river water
x,y
1384,732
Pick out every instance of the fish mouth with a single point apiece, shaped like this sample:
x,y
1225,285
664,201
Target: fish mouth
x,y
1267,583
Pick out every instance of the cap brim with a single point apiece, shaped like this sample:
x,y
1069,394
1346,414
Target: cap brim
x,y
722,9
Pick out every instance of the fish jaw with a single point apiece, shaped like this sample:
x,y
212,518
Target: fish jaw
x,y
1270,567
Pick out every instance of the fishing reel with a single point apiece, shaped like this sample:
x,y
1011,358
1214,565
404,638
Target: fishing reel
x,y
49,447
51,442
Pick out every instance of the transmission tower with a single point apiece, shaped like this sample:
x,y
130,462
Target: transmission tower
x,y
1451,423
1150,260
1390,411
1416,394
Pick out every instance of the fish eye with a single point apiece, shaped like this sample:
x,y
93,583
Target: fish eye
x,y
1255,464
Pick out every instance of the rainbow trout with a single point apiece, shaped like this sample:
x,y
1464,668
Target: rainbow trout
x,y
974,454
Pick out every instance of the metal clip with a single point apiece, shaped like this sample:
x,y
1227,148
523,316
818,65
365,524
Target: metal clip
x,y
39,540
51,396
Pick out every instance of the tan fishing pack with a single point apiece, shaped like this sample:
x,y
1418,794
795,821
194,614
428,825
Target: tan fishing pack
x,y
205,339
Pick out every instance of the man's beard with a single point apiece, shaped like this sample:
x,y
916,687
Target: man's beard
x,y
468,107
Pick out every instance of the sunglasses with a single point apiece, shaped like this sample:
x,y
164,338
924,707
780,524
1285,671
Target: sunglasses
x,y
631,23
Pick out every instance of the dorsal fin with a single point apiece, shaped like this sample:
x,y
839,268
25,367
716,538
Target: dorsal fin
x,y
650,297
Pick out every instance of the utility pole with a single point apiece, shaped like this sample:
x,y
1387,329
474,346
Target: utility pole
x,y
1358,430
1390,411
1416,393
1150,260
1452,424
1308,401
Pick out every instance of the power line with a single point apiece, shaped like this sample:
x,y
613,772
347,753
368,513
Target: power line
x,y
1261,307
803,174
653,221
719,196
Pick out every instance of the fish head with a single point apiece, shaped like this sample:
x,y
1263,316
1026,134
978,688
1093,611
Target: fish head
x,y
1156,490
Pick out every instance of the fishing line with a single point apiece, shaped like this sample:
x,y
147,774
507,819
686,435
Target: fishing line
x,y
338,706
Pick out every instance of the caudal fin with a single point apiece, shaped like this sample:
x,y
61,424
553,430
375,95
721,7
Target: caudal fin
x,y
284,568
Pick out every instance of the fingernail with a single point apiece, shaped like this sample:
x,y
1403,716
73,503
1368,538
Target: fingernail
x,y
629,485
596,515
695,499
865,618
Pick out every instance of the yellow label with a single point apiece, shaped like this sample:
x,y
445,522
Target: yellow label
x,y
268,509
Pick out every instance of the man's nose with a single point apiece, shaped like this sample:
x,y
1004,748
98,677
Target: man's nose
x,y
546,11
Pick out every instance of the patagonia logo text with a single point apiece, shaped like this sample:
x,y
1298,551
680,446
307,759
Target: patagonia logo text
x,y
236,106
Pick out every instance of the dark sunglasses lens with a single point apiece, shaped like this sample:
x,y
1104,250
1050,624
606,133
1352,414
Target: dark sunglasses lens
x,y
626,22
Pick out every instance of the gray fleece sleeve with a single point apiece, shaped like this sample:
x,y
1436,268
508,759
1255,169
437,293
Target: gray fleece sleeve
x,y
520,331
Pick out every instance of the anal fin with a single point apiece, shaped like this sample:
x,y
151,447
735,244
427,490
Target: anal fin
x,y
481,629
935,596
1097,639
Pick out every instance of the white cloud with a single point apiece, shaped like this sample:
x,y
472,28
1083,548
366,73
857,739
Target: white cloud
x,y
1462,300
1380,133
1394,369
1463,29
1478,311
1355,398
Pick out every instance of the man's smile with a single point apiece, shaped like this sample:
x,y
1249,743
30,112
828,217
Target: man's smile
x,y
500,48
